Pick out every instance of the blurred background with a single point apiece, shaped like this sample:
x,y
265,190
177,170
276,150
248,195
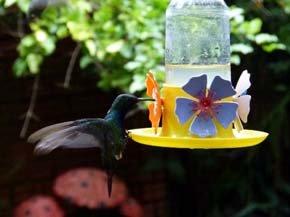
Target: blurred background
x,y
73,60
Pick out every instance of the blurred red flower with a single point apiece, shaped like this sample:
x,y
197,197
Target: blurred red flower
x,y
86,187
131,208
39,206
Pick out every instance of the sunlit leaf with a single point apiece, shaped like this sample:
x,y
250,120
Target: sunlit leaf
x,y
48,45
24,5
242,48
274,46
235,12
137,84
235,59
115,47
91,46
132,65
41,36
79,31
62,32
28,41
9,3
254,26
263,38
34,61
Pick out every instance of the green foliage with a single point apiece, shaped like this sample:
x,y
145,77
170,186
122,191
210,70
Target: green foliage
x,y
247,33
124,39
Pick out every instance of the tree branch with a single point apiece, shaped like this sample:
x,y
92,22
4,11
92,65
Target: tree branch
x,y
71,65
20,25
30,112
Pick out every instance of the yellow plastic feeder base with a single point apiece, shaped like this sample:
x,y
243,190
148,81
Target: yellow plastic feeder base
x,y
244,138
174,135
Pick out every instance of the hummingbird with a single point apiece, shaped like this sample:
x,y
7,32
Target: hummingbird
x,y
108,134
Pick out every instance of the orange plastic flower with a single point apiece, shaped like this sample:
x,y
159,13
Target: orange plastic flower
x,y
155,108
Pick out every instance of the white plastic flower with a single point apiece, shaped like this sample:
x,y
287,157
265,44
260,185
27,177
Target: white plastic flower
x,y
241,97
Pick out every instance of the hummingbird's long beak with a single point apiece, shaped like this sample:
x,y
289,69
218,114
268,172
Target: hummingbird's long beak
x,y
145,99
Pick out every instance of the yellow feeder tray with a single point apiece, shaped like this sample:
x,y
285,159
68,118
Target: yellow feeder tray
x,y
173,134
244,138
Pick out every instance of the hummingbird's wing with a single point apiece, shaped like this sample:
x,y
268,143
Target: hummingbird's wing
x,y
84,133
40,134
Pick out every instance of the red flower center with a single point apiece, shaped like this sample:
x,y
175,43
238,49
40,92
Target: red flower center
x,y
205,104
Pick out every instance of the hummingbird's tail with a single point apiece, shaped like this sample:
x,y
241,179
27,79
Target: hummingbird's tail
x,y
110,175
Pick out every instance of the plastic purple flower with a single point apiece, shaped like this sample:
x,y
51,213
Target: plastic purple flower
x,y
206,105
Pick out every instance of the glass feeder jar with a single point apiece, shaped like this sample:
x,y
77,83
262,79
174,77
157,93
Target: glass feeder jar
x,y
197,43
197,40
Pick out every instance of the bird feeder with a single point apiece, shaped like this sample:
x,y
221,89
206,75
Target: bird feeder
x,y
199,105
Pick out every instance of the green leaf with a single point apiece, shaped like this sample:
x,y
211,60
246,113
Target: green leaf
x,y
254,26
91,46
41,36
236,12
141,58
28,41
9,3
24,5
242,48
274,46
235,59
132,65
115,46
126,51
20,67
122,81
101,54
79,31
137,84
62,32
48,46
85,61
27,44
263,38
84,5
34,61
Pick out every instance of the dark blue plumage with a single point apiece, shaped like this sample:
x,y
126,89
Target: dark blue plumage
x,y
108,134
